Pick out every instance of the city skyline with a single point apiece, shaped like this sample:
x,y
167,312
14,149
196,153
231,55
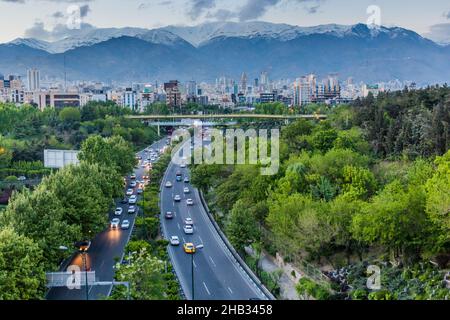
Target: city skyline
x,y
47,19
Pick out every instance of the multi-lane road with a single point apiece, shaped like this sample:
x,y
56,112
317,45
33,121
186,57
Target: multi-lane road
x,y
105,249
217,276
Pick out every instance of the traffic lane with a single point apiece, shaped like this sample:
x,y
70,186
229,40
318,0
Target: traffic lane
x,y
211,267
105,247
206,287
213,237
217,261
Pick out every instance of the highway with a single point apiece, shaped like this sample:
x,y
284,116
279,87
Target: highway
x,y
105,249
217,276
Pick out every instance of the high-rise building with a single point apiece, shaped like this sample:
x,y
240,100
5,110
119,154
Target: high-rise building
x,y
173,94
129,99
244,83
191,88
33,80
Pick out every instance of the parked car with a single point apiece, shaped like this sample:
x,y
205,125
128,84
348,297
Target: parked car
x,y
118,212
190,202
133,184
188,229
115,223
174,241
132,200
125,224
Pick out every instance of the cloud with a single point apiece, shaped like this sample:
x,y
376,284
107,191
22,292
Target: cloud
x,y
59,31
447,14
221,15
66,1
439,33
58,15
199,7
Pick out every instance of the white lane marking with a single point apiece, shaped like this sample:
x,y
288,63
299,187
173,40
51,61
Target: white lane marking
x,y
204,284
229,289
184,240
212,261
201,240
179,227
195,265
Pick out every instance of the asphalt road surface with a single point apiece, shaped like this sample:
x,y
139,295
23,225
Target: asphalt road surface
x,y
105,249
217,276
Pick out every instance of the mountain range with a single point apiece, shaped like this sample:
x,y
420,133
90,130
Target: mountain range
x,y
210,50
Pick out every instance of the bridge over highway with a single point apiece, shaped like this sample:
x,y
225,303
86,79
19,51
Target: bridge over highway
x,y
231,116
158,120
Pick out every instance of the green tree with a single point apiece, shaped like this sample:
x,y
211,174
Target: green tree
x,y
70,115
22,275
112,152
359,183
242,228
145,275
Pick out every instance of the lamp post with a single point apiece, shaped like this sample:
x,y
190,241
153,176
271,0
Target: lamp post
x,y
192,268
83,248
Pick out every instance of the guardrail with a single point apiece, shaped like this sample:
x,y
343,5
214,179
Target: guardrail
x,y
233,251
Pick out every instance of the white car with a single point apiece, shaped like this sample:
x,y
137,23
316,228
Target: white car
x,y
186,190
174,241
132,210
118,212
125,224
168,184
130,192
183,165
188,229
132,200
190,202
115,223
177,198
189,222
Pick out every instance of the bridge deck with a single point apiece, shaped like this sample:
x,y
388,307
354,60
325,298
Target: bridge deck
x,y
231,116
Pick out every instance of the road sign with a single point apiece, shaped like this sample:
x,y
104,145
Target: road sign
x,y
60,158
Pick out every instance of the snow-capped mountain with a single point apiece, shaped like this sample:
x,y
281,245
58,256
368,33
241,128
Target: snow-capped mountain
x,y
209,50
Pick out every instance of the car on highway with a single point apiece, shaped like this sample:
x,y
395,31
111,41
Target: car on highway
x,y
189,248
186,180
133,199
190,202
140,191
133,177
169,215
132,209
115,223
188,229
133,184
130,192
174,241
186,190
189,222
138,158
118,212
177,198
169,184
124,200
125,225
145,177
179,176
183,165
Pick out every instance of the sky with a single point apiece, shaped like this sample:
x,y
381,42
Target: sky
x,y
48,19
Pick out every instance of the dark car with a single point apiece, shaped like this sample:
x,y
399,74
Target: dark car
x,y
169,215
124,200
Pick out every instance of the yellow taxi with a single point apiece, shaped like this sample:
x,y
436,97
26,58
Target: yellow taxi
x,y
189,248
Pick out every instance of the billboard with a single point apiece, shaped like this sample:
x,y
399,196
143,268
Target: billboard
x,y
60,158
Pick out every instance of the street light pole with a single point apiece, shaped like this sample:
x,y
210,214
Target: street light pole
x,y
192,272
83,255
